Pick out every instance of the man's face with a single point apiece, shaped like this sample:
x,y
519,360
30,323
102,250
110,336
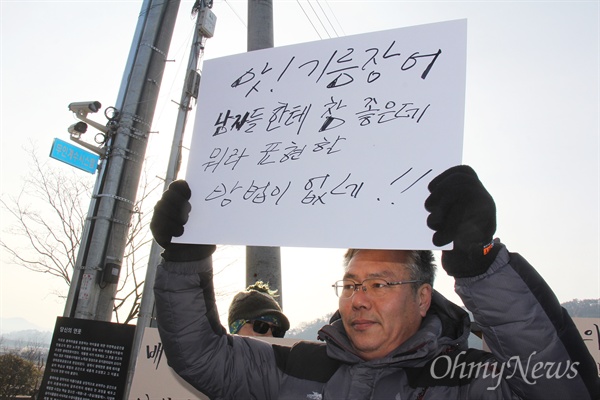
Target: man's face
x,y
376,326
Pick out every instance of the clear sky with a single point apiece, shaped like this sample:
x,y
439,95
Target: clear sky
x,y
531,121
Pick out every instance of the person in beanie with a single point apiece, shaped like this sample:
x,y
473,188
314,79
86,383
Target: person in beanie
x,y
254,312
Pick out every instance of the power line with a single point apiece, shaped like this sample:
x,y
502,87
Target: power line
x,y
308,17
236,14
325,14
317,15
334,16
309,20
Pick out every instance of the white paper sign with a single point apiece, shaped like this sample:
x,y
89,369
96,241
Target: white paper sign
x,y
328,144
153,378
589,328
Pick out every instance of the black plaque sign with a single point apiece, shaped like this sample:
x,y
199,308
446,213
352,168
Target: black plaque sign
x,y
87,360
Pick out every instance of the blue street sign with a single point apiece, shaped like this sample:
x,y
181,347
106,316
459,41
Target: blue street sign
x,y
75,156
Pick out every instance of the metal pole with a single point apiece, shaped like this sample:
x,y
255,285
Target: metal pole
x,y
262,263
146,316
260,24
92,291
189,91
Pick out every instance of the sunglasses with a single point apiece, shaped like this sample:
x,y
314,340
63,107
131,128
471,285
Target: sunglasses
x,y
262,327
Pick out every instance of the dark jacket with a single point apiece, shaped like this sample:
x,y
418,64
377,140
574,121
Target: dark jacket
x,y
537,352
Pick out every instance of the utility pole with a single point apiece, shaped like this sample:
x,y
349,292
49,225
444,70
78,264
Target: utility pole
x,y
260,24
262,263
205,25
97,269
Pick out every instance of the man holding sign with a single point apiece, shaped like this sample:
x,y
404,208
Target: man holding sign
x,y
394,337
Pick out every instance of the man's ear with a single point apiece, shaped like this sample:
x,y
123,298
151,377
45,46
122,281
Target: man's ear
x,y
424,297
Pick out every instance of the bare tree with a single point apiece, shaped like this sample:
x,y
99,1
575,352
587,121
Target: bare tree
x,y
48,219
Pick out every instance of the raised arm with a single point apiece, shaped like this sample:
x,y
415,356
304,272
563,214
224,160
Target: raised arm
x,y
534,339
196,344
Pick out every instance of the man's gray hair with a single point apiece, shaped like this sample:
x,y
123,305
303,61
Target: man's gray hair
x,y
421,266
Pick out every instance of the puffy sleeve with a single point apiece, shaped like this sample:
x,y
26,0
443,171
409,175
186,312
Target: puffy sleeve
x,y
534,339
197,347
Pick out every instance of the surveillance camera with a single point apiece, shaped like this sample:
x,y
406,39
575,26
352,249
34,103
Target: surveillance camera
x,y
84,107
78,128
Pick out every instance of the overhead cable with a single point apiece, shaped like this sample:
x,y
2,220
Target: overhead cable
x,y
309,20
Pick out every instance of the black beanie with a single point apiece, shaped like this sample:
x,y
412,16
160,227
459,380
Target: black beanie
x,y
252,304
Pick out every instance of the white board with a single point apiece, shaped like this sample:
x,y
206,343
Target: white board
x,y
330,143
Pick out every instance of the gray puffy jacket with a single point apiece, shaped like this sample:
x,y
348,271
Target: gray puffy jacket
x,y
537,352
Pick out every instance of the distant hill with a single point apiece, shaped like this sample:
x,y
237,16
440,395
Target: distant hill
x,y
308,330
29,337
589,308
19,333
8,325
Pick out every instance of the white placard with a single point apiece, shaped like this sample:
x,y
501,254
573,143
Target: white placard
x,y
330,143
589,328
153,378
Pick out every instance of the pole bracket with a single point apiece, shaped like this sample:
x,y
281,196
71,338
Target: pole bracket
x,y
116,221
112,196
156,49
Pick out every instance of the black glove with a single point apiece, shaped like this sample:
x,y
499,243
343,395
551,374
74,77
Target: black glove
x,y
170,215
462,211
